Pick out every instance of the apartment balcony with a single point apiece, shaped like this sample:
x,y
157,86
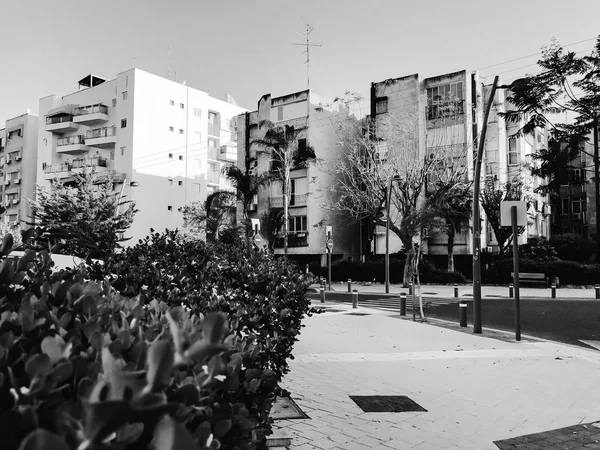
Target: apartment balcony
x,y
296,200
105,137
214,177
79,164
228,153
61,124
91,114
295,239
72,145
213,153
54,170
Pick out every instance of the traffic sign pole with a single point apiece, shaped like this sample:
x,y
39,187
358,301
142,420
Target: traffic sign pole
x,y
329,269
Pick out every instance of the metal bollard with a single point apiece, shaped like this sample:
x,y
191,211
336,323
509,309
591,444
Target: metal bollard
x,y
402,304
349,284
354,299
553,290
511,290
462,313
322,294
456,290
597,291
410,288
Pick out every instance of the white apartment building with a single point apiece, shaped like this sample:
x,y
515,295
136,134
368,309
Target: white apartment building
x,y
168,139
18,161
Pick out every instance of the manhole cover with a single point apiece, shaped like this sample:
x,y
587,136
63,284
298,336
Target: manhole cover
x,y
286,408
386,403
358,314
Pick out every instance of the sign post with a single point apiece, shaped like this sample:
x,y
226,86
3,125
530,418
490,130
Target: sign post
x,y
256,236
517,212
329,248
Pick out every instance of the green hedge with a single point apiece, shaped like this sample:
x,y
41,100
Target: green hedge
x,y
173,343
568,272
374,271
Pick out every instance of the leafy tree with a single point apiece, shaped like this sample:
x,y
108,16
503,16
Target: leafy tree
x,y
572,247
271,223
566,85
246,184
282,143
212,215
492,195
86,220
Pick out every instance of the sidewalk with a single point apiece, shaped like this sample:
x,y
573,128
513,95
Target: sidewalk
x,y
465,291
475,390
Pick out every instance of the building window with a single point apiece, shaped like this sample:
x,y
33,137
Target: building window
x,y
171,155
171,129
227,125
180,183
297,224
212,167
565,207
123,123
180,131
381,105
445,101
122,151
114,102
513,153
112,155
124,95
197,136
170,208
172,102
182,106
213,126
280,113
171,181
197,112
180,157
45,142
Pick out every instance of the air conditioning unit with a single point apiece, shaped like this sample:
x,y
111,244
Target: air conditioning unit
x,y
8,160
18,181
489,249
7,203
15,201
576,216
17,158
6,182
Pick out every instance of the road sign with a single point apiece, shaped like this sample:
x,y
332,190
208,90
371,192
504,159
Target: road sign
x,y
257,239
329,244
505,213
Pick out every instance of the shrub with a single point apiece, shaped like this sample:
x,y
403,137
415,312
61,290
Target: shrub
x,y
569,272
85,364
573,247
539,249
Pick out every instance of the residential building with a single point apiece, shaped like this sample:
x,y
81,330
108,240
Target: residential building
x,y
308,217
170,139
18,160
444,115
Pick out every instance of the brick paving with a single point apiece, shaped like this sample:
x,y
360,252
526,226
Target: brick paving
x,y
476,390
584,437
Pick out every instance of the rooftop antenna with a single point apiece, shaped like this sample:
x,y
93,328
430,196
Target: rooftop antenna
x,y
308,45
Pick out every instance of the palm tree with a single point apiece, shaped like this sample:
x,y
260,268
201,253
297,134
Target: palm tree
x,y
282,144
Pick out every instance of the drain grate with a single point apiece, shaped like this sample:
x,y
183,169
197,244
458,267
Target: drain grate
x,y
358,314
286,408
386,403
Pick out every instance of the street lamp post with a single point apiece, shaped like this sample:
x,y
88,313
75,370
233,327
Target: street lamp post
x,y
387,233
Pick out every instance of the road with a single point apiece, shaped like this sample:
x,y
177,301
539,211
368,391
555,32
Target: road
x,y
567,321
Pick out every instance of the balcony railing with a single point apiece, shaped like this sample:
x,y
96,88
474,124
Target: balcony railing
x,y
58,119
92,109
81,163
295,239
101,132
71,140
295,200
54,168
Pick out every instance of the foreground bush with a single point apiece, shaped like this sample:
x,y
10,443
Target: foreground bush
x,y
83,365
569,272
573,247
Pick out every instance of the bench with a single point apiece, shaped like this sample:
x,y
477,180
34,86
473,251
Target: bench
x,y
532,278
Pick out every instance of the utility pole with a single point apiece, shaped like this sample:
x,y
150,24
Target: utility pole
x,y
476,218
597,186
308,45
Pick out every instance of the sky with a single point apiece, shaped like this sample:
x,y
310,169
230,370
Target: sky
x,y
244,47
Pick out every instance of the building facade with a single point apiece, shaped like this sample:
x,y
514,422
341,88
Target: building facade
x,y
18,161
443,115
308,218
167,139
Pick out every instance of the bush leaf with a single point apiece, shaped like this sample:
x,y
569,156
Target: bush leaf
x,y
41,439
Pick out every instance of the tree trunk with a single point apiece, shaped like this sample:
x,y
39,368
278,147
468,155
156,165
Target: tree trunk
x,y
408,264
451,234
417,284
285,210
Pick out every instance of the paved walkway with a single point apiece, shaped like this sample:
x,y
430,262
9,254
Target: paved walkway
x,y
476,389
